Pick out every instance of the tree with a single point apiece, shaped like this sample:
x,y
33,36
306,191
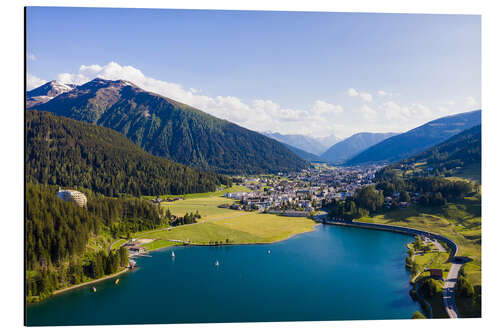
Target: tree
x,y
430,287
418,315
404,196
464,287
123,253
369,198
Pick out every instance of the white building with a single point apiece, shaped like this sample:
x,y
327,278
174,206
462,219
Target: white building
x,y
74,196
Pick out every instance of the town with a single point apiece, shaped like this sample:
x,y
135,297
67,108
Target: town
x,y
301,194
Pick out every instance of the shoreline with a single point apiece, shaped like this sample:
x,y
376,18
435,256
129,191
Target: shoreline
x,y
449,307
232,244
83,284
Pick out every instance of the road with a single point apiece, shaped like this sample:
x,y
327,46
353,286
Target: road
x,y
449,291
438,245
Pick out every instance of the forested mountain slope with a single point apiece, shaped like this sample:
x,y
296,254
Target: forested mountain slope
x,y
418,139
170,129
69,153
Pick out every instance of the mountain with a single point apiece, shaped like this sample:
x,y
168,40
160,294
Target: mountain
x,y
303,154
353,145
170,129
69,153
328,141
46,92
303,142
418,139
460,155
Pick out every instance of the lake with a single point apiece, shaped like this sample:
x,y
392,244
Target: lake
x,y
332,273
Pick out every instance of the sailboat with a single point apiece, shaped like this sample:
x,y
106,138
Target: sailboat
x,y
268,251
117,281
217,263
94,289
173,254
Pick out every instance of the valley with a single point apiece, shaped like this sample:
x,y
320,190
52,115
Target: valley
x,y
151,187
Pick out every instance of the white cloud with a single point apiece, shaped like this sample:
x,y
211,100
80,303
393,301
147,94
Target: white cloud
x,y
258,115
320,118
363,95
33,82
397,113
31,57
366,97
352,92
382,93
321,108
368,113
442,110
470,102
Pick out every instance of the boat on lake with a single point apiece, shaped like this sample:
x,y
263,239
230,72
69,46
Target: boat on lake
x,y
173,254
117,281
94,289
217,263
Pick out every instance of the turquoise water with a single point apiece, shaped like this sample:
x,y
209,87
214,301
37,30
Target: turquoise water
x,y
333,273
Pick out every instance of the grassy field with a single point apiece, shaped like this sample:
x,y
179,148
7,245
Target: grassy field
x,y
117,245
459,221
234,188
246,228
206,207
224,225
158,244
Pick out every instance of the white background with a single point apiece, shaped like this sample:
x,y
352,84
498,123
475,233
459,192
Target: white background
x,y
11,136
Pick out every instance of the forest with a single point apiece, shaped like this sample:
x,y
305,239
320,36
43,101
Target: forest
x,y
61,151
426,191
460,151
58,232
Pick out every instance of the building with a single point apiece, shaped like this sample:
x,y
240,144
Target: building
x,y
436,273
73,196
295,213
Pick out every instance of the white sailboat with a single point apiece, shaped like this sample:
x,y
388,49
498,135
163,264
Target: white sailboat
x,y
217,263
173,254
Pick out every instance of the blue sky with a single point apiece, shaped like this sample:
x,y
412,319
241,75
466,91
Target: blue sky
x,y
292,72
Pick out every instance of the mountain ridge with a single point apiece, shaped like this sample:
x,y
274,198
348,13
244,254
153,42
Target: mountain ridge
x,y
171,129
353,145
46,92
306,143
417,139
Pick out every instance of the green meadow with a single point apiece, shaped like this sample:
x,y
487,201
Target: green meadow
x,y
223,225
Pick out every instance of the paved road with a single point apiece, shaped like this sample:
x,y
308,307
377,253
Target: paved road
x,y
449,291
438,245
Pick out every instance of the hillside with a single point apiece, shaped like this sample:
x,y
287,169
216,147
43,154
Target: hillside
x,y
303,154
170,129
458,156
65,244
66,152
418,139
306,143
353,145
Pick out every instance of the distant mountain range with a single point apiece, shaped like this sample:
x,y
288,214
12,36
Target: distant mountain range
x,y
65,152
170,129
46,92
460,155
306,143
353,145
303,154
418,139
